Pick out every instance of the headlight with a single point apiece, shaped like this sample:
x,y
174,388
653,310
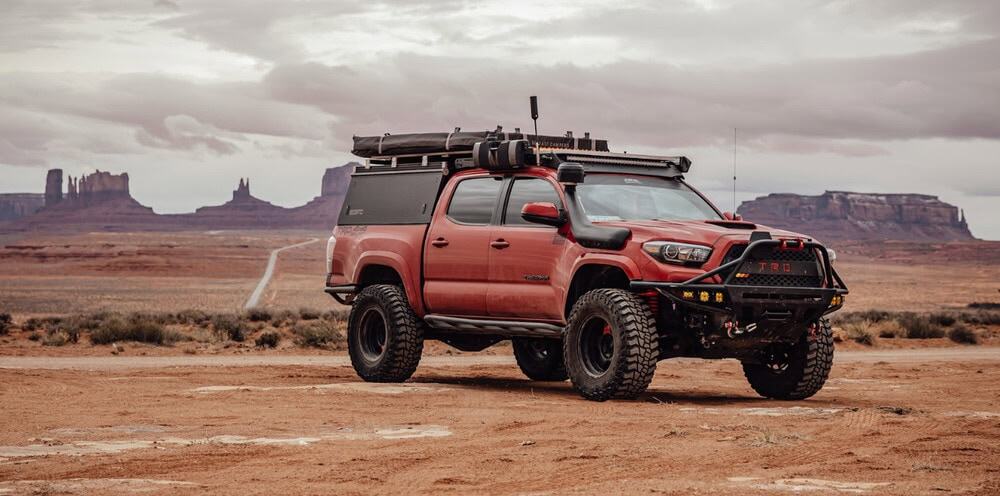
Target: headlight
x,y
678,253
833,254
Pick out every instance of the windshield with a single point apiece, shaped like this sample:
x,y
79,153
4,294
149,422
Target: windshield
x,y
611,197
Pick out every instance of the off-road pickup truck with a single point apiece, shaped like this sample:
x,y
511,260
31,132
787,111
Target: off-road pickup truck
x,y
595,264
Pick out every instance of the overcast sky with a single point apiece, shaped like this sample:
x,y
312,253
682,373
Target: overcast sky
x,y
188,96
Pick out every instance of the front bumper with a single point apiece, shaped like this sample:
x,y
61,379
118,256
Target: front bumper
x,y
757,304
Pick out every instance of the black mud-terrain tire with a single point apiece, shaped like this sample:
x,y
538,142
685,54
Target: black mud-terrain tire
x,y
384,337
622,361
540,359
806,366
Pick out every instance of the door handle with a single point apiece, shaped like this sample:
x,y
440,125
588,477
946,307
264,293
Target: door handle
x,y
500,244
440,242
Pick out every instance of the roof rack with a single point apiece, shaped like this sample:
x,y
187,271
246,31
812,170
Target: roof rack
x,y
452,152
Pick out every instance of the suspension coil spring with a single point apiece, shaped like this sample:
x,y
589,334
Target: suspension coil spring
x,y
653,300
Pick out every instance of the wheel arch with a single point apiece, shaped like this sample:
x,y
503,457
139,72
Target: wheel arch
x,y
594,273
388,268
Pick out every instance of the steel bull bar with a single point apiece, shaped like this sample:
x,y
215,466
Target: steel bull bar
x,y
757,302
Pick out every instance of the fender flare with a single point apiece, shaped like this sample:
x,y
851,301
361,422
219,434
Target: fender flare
x,y
626,264
395,262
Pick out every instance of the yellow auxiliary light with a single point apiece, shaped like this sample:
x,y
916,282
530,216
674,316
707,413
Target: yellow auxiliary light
x,y
718,297
688,295
703,296
836,300
742,275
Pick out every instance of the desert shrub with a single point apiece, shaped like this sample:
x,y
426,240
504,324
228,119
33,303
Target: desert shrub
x,y
942,319
962,334
284,318
860,332
920,327
40,324
336,315
985,305
982,317
56,338
192,317
268,339
888,329
872,316
133,329
34,336
318,334
309,314
259,315
230,326
6,322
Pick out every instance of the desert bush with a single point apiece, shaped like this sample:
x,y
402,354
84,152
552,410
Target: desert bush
x,y
860,332
318,334
920,327
34,336
982,317
133,329
230,326
888,329
192,317
284,318
56,338
309,313
872,316
268,339
962,334
985,305
336,315
259,315
943,319
6,322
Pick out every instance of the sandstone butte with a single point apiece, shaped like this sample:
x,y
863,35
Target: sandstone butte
x,y
847,216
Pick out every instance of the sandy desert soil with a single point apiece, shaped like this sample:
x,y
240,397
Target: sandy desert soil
x,y
889,425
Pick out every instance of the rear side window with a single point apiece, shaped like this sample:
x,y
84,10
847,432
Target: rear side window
x,y
474,200
528,190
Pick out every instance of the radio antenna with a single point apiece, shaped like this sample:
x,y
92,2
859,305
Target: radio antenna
x,y
734,171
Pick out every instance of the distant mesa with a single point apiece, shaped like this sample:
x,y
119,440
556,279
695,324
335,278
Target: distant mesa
x,y
17,205
845,216
102,200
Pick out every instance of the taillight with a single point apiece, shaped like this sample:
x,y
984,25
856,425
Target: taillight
x,y
330,245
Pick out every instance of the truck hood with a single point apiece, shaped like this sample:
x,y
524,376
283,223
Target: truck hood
x,y
701,232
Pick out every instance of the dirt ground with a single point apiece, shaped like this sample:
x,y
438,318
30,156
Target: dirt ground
x,y
893,424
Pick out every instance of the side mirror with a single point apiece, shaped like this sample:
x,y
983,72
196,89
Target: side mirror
x,y
543,213
732,216
570,173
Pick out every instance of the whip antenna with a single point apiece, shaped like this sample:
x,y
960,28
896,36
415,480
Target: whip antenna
x,y
534,116
734,171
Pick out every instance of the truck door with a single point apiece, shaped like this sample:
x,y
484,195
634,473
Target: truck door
x,y
524,257
456,267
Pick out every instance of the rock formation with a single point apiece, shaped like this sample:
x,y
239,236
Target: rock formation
x,y
842,215
53,187
243,211
16,205
102,201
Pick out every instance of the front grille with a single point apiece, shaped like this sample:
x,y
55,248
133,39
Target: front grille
x,y
770,253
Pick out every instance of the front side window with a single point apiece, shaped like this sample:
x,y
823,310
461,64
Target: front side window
x,y
528,190
474,199
613,197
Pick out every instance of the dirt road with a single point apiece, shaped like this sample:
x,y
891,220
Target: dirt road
x,y
908,422
269,272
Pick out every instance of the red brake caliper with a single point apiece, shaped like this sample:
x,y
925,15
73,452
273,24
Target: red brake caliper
x,y
607,329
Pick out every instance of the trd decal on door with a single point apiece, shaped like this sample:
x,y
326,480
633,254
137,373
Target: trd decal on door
x,y
536,277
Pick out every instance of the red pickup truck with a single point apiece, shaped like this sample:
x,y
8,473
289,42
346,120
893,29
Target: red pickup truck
x,y
595,264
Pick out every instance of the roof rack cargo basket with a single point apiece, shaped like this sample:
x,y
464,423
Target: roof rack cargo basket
x,y
395,145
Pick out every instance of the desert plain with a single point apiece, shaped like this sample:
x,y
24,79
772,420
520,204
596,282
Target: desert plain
x,y
898,416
